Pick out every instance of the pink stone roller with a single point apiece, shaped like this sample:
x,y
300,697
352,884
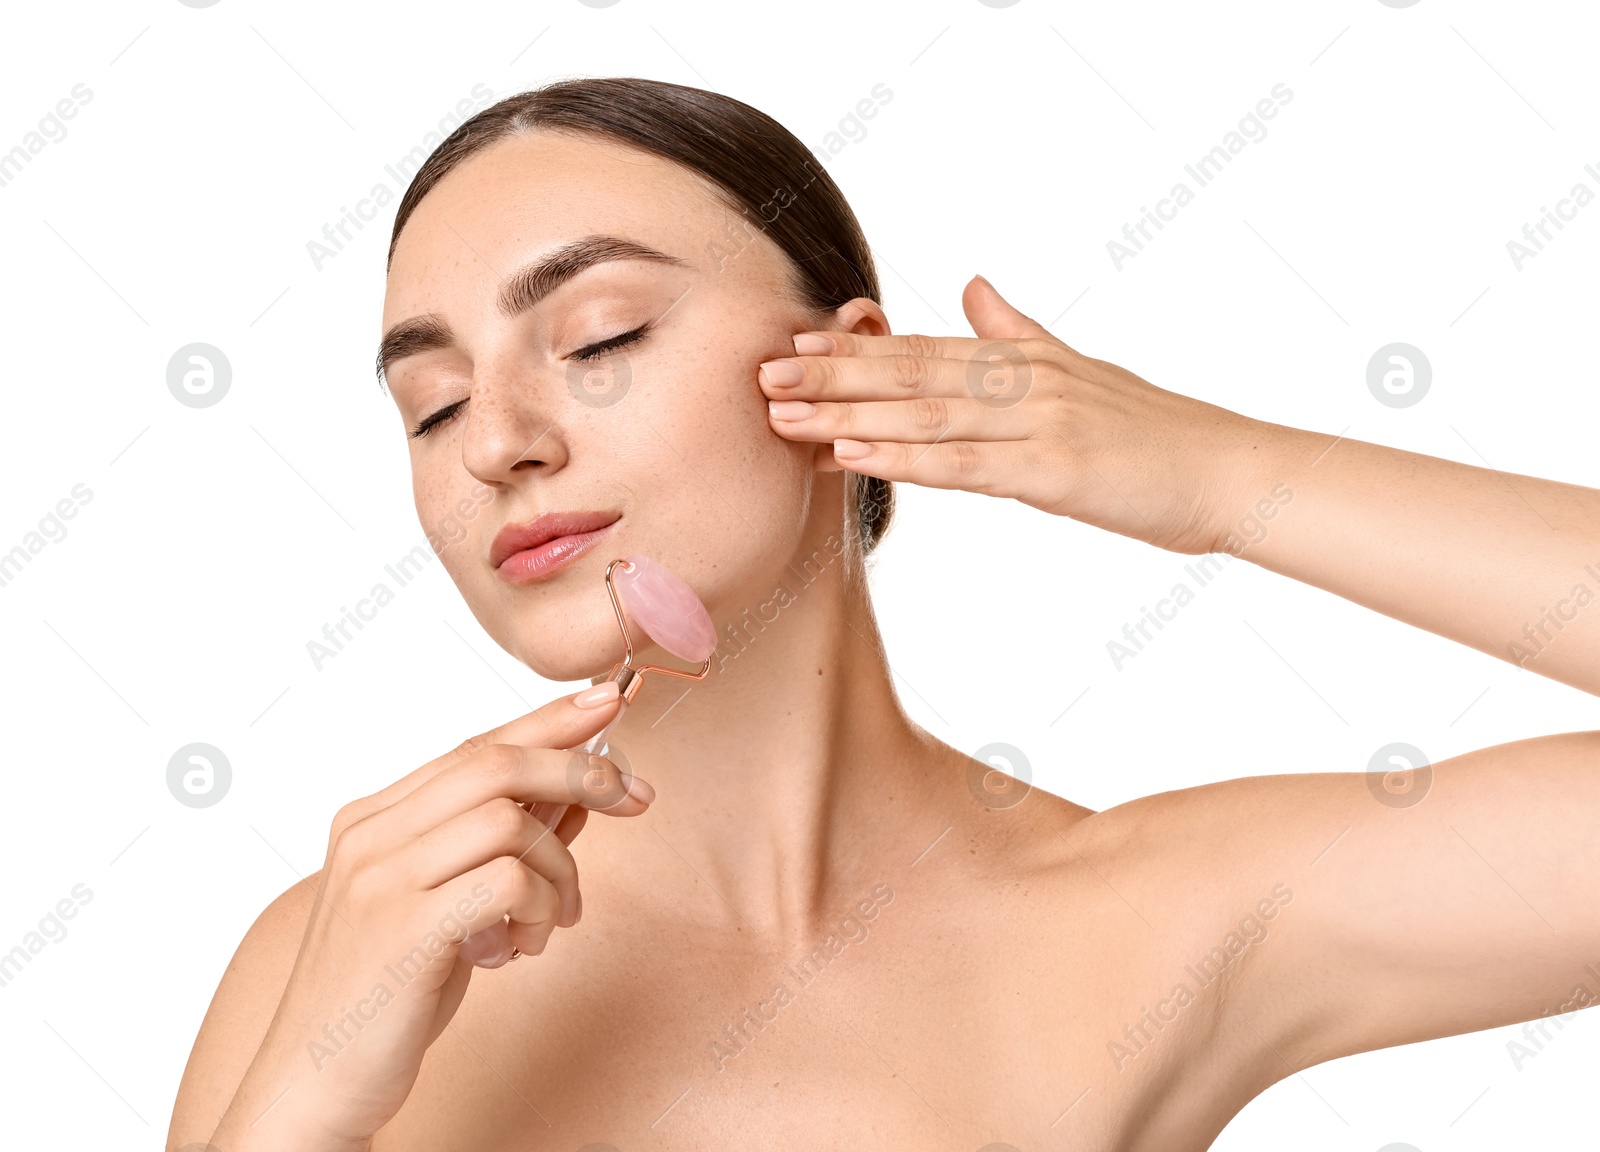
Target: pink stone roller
x,y
666,610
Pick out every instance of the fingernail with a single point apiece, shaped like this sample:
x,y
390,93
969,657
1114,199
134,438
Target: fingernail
x,y
781,373
596,696
810,344
851,450
638,789
790,409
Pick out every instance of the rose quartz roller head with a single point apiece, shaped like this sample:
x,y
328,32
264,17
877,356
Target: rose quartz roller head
x,y
666,610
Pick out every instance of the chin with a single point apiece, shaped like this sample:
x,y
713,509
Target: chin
x,y
568,649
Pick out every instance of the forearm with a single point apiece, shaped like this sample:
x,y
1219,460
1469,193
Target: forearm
x,y
1507,564
273,1111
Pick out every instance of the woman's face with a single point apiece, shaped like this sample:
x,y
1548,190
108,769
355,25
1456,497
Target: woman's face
x,y
658,447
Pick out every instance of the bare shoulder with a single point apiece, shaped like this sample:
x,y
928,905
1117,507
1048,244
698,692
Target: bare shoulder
x,y
1229,826
241,1009
1144,925
1339,912
1194,861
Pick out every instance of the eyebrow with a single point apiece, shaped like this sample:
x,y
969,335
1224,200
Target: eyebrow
x,y
519,292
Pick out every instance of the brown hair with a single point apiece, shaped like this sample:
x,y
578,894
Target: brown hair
x,y
767,175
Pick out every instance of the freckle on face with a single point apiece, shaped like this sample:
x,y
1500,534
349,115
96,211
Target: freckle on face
x,y
686,456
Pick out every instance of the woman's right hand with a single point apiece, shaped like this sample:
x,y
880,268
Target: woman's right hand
x,y
410,872
1015,412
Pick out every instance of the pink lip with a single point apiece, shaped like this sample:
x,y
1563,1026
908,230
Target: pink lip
x,y
522,554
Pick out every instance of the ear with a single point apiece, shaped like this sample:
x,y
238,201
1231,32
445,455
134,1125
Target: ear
x,y
863,317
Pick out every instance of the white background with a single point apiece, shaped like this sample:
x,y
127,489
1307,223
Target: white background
x,y
1017,143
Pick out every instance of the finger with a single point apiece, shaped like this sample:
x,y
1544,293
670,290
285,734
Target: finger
x,y
481,898
1000,372
925,420
488,948
989,468
993,318
528,775
569,826
911,344
888,377
502,827
559,723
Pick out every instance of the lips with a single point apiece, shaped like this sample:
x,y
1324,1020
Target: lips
x,y
531,551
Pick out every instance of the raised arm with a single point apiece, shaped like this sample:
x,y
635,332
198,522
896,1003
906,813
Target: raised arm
x,y
1507,564
1304,918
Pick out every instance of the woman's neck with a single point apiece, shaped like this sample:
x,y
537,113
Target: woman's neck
x,y
786,774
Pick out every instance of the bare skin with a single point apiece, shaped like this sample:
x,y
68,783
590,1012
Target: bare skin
x,y
956,969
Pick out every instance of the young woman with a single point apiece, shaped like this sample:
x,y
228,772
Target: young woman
x,y
626,317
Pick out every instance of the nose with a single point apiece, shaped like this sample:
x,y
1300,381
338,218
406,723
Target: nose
x,y
511,429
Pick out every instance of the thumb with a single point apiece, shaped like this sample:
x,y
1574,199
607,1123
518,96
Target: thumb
x,y
994,319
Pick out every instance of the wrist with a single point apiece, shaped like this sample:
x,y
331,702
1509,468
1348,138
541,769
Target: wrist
x,y
284,1114
236,1134
1260,466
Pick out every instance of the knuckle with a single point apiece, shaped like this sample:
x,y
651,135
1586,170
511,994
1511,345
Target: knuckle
x,y
499,762
472,745
507,876
922,345
823,372
350,839
1050,379
905,373
343,820
963,459
929,414
548,901
361,886
504,817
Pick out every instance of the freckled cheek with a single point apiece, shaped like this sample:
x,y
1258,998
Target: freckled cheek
x,y
439,501
725,417
737,452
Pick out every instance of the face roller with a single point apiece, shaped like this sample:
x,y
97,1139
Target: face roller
x,y
665,610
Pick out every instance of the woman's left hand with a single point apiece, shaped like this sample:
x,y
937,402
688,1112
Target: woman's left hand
x,y
1016,412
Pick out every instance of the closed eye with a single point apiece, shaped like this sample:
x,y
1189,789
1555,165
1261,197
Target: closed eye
x,y
588,352
427,423
595,351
